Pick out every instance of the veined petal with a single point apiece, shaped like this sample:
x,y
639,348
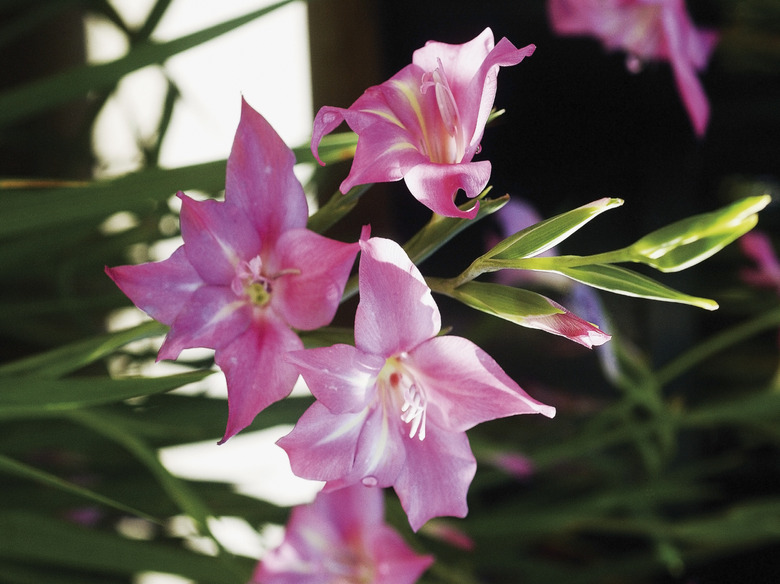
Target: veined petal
x,y
216,238
461,62
316,270
384,153
465,386
213,317
341,377
381,449
260,179
435,185
477,100
256,370
161,289
322,445
396,310
436,476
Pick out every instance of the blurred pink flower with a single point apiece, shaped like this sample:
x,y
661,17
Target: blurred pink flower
x,y
646,30
341,538
248,271
393,410
758,247
425,123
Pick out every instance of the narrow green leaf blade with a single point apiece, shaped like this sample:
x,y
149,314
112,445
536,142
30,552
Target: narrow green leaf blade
x,y
546,234
21,102
29,396
28,537
629,283
27,210
69,358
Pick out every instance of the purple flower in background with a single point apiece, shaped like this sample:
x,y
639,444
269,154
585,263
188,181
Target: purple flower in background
x,y
426,122
341,538
393,410
646,30
248,272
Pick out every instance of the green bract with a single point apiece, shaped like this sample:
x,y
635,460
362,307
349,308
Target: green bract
x,y
686,243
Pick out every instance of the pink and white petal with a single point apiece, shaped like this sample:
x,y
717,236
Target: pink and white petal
x,y
435,185
341,377
161,289
394,561
461,62
328,118
562,322
260,179
317,270
385,153
216,237
464,386
396,310
436,476
476,99
256,370
322,445
212,318
380,453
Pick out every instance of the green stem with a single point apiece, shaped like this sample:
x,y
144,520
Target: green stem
x,y
484,265
717,343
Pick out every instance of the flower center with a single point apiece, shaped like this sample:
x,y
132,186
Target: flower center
x,y
449,146
252,283
404,388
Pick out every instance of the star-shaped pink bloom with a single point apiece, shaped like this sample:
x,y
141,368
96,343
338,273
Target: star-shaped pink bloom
x,y
341,537
426,122
393,410
646,30
248,272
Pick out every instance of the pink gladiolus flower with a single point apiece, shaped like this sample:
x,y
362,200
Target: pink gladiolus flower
x,y
248,271
341,538
393,410
647,30
425,123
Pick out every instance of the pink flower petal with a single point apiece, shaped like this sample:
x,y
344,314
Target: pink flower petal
x,y
435,185
396,310
161,289
322,445
260,178
569,325
319,267
216,238
341,537
212,318
464,386
341,377
256,370
435,479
